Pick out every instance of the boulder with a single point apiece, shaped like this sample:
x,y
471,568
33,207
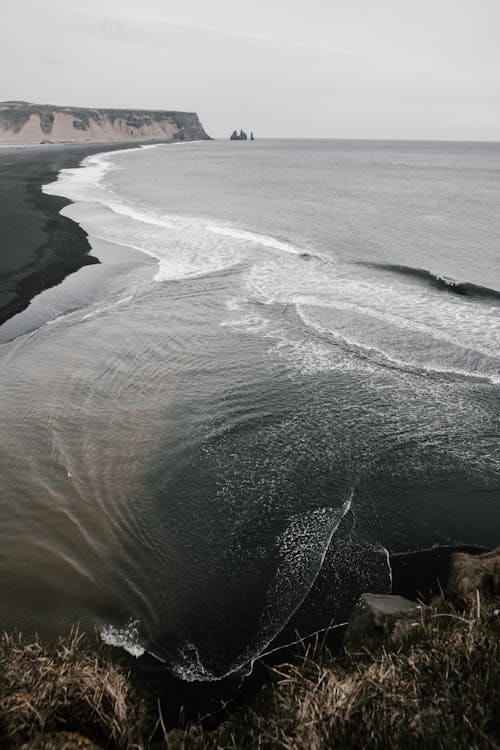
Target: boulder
x,y
374,618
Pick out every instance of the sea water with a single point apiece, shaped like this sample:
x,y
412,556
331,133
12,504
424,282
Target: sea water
x,y
289,369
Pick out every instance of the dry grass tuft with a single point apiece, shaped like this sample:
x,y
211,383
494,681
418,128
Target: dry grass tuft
x,y
473,576
437,687
60,741
434,683
67,686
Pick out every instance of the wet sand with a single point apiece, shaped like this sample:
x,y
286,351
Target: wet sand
x,y
38,246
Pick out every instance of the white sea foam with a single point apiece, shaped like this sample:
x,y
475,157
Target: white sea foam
x,y
86,182
188,247
296,307
107,308
82,182
184,247
303,547
233,304
190,666
334,286
126,637
385,356
242,235
288,345
59,318
444,336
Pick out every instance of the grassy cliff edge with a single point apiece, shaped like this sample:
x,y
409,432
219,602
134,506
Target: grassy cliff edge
x,y
430,679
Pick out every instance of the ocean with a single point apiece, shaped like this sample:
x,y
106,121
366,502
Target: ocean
x,y
285,369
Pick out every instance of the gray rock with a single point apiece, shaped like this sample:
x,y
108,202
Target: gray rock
x,y
372,619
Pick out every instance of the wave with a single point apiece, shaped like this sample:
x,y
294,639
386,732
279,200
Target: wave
x,y
85,181
439,281
385,358
183,246
372,320
242,235
273,269
127,638
302,546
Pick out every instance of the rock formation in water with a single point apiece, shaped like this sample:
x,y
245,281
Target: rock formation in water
x,y
241,136
22,122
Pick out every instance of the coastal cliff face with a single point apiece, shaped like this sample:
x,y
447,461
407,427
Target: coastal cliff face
x,y
22,122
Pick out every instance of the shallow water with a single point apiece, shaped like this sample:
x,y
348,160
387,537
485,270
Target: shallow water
x,y
225,432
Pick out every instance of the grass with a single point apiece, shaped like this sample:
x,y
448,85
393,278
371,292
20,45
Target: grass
x,y
433,683
67,686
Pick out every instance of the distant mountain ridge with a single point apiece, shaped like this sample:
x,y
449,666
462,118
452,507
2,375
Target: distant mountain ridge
x,y
24,122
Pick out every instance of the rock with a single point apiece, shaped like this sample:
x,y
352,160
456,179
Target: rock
x,y
60,741
373,618
235,136
470,574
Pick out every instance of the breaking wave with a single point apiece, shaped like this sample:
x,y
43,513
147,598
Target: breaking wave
x,y
439,281
233,325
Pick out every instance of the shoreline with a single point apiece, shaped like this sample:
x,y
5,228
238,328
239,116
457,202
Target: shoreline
x,y
417,576
405,673
412,572
39,247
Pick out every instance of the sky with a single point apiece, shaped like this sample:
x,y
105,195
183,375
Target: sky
x,y
425,69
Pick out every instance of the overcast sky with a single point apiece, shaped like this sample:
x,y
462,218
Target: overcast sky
x,y
291,68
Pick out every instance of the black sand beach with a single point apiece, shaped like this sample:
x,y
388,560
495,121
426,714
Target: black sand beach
x,y
38,246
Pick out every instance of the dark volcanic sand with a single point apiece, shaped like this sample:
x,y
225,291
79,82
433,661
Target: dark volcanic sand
x,y
38,247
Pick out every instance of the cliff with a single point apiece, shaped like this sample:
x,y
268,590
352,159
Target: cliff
x,y
22,122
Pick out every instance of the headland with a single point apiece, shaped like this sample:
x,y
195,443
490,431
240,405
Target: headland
x,y
24,122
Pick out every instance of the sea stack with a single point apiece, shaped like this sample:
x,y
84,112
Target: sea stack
x,y
241,136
